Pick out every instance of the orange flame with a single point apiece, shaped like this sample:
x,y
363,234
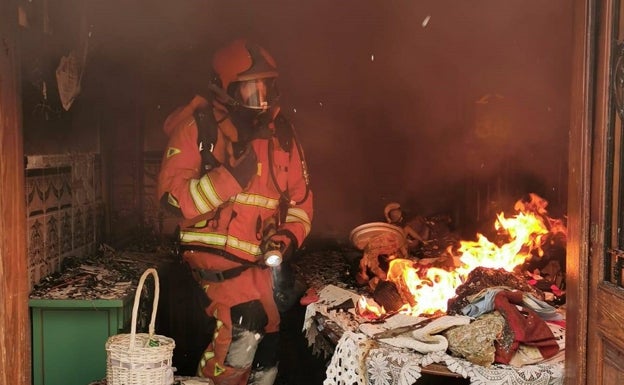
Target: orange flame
x,y
369,309
427,289
525,231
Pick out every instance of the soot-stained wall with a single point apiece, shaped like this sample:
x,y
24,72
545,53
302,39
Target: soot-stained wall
x,y
442,105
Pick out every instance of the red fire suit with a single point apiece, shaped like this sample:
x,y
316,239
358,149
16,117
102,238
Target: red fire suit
x,y
231,218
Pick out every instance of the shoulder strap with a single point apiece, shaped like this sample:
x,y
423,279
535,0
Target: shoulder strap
x,y
284,132
206,137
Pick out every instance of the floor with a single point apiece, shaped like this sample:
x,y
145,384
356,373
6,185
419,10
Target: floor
x,y
181,319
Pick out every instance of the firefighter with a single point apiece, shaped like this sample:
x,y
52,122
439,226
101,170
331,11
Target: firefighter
x,y
235,171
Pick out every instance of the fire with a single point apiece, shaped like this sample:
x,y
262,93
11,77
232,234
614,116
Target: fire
x,y
427,289
369,309
525,232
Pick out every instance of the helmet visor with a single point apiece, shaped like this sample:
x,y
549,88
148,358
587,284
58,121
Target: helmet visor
x,y
259,94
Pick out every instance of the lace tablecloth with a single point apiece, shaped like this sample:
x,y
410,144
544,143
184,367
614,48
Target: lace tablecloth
x,y
359,360
356,361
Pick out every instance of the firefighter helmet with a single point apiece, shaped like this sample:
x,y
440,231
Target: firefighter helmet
x,y
247,73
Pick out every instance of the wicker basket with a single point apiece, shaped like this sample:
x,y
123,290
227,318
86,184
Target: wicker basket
x,y
140,359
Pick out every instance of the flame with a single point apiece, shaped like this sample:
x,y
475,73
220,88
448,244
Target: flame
x,y
525,232
426,289
368,308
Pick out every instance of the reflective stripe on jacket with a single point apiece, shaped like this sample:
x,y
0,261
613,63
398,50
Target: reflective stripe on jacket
x,y
239,215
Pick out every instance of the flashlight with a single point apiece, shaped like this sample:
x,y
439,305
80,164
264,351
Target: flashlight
x,y
273,257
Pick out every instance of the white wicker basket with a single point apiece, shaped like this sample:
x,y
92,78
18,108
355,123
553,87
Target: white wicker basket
x,y
140,359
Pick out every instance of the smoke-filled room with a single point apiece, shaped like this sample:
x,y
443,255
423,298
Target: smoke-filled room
x,y
321,192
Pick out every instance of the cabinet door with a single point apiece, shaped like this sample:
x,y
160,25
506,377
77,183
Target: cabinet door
x,y
605,348
68,345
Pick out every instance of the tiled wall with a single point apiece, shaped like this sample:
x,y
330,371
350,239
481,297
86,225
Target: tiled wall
x,y
64,208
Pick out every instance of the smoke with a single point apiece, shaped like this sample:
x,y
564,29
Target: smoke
x,y
384,95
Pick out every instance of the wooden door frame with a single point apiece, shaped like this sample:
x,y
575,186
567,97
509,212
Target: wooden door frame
x,y
604,336
579,171
594,34
14,319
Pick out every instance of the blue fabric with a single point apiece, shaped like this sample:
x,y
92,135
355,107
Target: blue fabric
x,y
484,303
544,310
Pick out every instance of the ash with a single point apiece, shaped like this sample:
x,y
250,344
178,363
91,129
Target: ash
x,y
111,274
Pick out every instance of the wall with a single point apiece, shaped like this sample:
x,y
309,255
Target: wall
x,y
64,209
444,106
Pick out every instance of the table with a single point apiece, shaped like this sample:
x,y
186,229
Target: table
x,y
357,359
177,380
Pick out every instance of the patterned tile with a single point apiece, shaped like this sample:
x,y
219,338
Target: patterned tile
x,y
34,273
66,231
35,241
35,200
79,181
53,265
53,189
64,187
78,228
52,238
64,208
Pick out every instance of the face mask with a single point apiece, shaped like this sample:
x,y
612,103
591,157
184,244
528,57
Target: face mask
x,y
257,94
244,121
251,124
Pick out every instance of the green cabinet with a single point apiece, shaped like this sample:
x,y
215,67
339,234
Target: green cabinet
x,y
68,337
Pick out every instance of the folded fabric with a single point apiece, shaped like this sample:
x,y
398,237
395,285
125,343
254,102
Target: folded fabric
x,y
543,309
475,341
526,355
394,323
527,328
426,339
483,302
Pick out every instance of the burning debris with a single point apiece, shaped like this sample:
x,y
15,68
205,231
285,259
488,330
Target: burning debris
x,y
431,286
483,278
492,300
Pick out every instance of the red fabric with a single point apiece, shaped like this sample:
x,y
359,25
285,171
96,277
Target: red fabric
x,y
561,322
527,328
309,297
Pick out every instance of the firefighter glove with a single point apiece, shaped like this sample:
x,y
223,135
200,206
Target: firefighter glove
x,y
283,240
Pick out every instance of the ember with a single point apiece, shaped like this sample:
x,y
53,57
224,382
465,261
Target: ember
x,y
426,288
